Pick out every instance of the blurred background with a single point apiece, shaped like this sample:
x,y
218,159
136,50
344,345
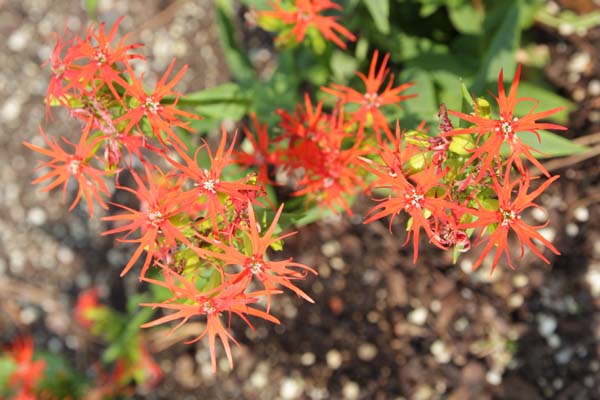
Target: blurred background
x,y
381,327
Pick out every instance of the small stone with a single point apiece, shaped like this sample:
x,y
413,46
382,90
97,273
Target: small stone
x,y
258,379
539,215
554,341
418,316
10,110
440,352
18,40
594,87
461,324
515,301
290,389
28,315
337,263
548,233
557,383
330,248
493,378
564,356
579,62
334,359
435,306
307,359
351,390
520,280
36,216
581,214
571,229
546,324
367,351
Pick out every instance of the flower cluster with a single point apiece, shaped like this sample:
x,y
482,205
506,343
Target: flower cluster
x,y
303,17
26,372
196,231
195,227
448,185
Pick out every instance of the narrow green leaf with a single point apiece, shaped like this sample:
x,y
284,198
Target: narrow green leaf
x,y
239,64
380,12
547,100
552,145
501,52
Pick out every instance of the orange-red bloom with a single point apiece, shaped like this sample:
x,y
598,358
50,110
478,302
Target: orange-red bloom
x,y
492,134
421,195
270,273
306,14
374,97
64,165
226,298
507,218
100,57
159,202
209,188
162,117
28,372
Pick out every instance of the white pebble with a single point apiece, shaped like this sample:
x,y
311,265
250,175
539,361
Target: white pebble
x,y
520,280
548,233
440,352
594,87
334,359
571,229
539,215
65,255
579,62
351,390
36,216
581,214
290,389
18,39
367,351
418,316
546,324
10,110
28,315
592,277
308,359
493,378
554,341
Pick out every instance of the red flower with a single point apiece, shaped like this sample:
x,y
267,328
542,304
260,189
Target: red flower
x,y
61,71
160,116
371,101
507,218
492,134
64,165
421,194
159,202
227,297
269,273
101,58
306,14
28,372
86,302
209,188
261,156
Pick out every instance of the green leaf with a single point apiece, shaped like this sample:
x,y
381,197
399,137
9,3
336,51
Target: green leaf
x,y
552,145
91,6
466,18
380,12
239,64
501,52
547,100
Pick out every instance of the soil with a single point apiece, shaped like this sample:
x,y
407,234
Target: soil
x,y
382,327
